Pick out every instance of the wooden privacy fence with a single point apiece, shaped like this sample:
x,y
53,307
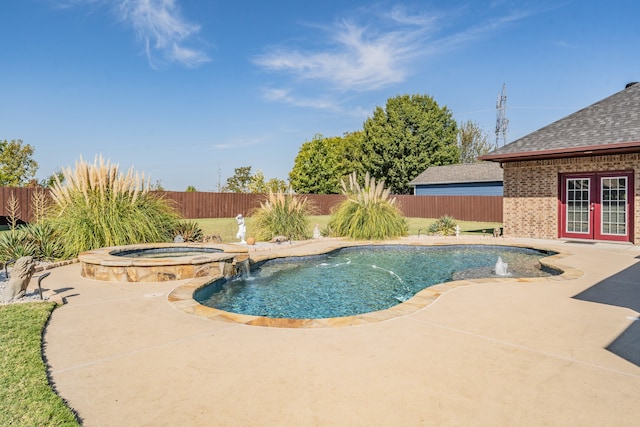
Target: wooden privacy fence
x,y
24,202
200,204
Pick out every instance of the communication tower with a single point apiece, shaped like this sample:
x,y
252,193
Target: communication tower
x,y
501,117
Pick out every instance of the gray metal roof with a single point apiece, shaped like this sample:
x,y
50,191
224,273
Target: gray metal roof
x,y
613,122
467,172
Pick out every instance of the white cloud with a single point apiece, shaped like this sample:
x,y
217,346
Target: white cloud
x,y
163,32
159,25
357,57
239,143
286,96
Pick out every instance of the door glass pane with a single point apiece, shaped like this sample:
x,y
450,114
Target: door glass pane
x,y
614,206
578,204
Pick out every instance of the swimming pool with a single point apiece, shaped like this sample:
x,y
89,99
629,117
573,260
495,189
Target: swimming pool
x,y
362,279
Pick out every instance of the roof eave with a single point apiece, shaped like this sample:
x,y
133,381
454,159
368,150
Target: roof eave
x,y
587,150
482,181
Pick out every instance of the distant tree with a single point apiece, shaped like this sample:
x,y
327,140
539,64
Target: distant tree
x,y
472,142
276,185
257,183
239,182
351,154
315,167
409,135
243,181
322,162
51,179
157,186
191,189
17,166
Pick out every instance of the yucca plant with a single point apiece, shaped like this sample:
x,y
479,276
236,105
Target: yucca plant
x,y
282,214
444,226
368,213
45,243
96,205
15,244
189,230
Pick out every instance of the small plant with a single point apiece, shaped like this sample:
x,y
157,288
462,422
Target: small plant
x,y
282,214
44,242
368,212
15,244
189,230
444,226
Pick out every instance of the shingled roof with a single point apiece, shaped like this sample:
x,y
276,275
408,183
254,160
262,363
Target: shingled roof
x,y
468,172
606,127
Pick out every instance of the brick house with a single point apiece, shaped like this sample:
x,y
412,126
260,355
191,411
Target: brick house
x,y
577,178
469,179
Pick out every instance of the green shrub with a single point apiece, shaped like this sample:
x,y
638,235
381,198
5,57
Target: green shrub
x,y
15,244
282,215
189,230
444,226
368,213
46,244
97,206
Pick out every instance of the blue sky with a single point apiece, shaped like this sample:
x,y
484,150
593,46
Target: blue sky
x,y
187,90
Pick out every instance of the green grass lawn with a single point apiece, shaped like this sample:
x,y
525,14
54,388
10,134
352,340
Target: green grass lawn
x,y
227,228
26,397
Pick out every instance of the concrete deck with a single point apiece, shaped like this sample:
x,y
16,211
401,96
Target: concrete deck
x,y
493,353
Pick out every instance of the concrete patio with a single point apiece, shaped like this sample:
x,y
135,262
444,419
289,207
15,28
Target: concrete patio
x,y
492,353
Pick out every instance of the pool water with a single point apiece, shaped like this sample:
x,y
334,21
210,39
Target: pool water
x,y
165,252
358,280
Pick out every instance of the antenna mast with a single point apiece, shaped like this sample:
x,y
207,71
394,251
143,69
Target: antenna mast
x,y
501,117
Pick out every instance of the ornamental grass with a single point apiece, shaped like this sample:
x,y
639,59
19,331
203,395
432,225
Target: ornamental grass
x,y
368,213
282,214
96,206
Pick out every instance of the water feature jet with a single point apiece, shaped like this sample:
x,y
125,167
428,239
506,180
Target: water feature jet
x,y
501,268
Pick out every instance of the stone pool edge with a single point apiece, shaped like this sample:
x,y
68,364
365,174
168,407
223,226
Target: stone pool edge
x,y
181,297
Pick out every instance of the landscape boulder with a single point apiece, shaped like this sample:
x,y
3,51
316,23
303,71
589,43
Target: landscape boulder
x,y
19,279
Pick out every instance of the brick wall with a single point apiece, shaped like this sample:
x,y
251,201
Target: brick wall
x,y
531,192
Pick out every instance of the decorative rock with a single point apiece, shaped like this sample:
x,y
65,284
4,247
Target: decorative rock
x,y
20,276
279,239
212,238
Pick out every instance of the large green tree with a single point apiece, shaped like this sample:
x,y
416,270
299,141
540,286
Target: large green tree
x,y
322,162
410,134
472,142
17,167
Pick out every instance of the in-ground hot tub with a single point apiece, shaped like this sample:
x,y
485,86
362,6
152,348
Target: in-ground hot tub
x,y
159,262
